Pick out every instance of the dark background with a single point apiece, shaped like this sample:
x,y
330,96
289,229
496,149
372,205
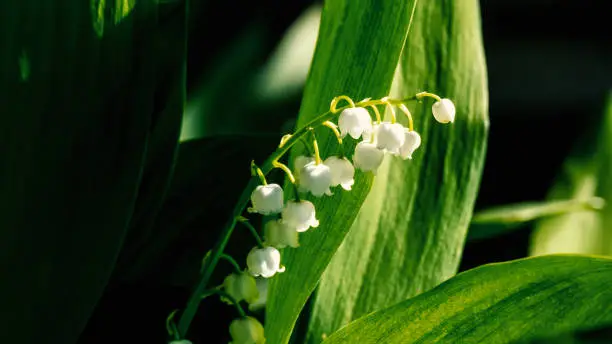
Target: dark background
x,y
549,70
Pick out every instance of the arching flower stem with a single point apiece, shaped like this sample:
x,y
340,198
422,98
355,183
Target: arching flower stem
x,y
226,295
232,261
252,229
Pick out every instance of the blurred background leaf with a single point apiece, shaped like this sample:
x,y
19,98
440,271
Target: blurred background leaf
x,y
497,303
409,234
343,64
85,105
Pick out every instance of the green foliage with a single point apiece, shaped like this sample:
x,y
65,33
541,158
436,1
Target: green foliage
x,y
344,63
409,234
79,130
586,173
497,303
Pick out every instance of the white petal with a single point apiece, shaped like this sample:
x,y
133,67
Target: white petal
x,y
367,157
300,215
315,178
411,143
267,199
342,171
390,137
354,121
443,111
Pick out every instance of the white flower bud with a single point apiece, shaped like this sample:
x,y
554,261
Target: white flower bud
x,y
316,179
267,199
390,137
241,287
299,215
262,287
247,330
354,121
444,111
411,143
299,163
342,172
279,235
264,262
367,157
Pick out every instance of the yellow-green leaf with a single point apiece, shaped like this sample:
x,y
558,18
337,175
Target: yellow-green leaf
x,y
357,52
497,303
409,234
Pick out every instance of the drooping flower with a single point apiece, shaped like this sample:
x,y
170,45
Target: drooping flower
x,y
367,157
247,330
355,122
444,110
267,199
342,172
264,262
299,215
262,287
389,137
411,143
278,234
299,163
240,286
316,179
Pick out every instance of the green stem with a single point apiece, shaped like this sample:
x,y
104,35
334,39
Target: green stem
x,y
232,261
194,300
253,231
224,294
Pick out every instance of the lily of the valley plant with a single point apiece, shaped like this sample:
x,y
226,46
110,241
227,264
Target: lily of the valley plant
x,y
286,218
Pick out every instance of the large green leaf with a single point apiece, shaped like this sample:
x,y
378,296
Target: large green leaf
x,y
409,234
586,173
357,52
497,303
80,82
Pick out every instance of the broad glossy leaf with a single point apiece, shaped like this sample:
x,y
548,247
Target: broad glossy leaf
x,y
586,173
79,82
357,51
409,234
497,303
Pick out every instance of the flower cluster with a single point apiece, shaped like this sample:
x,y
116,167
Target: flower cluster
x,y
285,219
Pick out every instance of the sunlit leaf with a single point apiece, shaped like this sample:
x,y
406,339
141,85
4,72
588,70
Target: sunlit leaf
x,y
409,234
586,173
497,303
357,52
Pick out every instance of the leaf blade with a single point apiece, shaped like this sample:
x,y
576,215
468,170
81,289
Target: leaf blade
x,y
497,303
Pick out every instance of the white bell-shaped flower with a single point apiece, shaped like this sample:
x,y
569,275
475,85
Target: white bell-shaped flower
x,y
315,179
299,163
342,172
368,157
262,287
444,111
264,262
355,122
267,199
389,137
247,330
240,286
278,234
411,143
299,215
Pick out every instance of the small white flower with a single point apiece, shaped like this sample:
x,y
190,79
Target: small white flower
x,y
299,215
367,157
342,172
315,178
247,330
411,143
262,287
279,235
264,262
267,199
299,163
241,287
443,111
355,122
389,137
